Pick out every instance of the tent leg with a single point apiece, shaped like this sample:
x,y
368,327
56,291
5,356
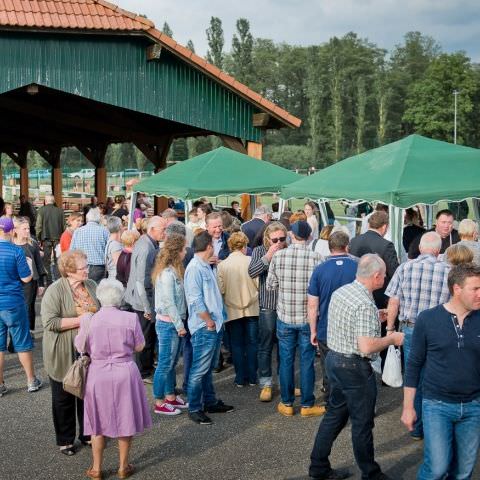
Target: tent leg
x,y
133,202
323,212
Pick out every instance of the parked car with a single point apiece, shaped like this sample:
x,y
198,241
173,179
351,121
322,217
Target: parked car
x,y
83,174
127,172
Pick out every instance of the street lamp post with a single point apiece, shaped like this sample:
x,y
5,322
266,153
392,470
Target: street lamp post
x,y
455,95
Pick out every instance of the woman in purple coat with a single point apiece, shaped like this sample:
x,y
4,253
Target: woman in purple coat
x,y
115,403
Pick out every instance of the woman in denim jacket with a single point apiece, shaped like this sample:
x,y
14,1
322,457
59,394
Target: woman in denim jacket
x,y
171,311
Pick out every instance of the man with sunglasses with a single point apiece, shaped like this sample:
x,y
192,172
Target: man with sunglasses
x,y
446,346
337,270
274,240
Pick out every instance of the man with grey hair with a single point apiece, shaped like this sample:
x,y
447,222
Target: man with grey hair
x,y
92,239
49,228
417,285
261,216
114,246
353,337
140,291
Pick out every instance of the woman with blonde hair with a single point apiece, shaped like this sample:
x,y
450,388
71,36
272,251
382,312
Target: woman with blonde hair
x,y
74,221
171,313
274,239
240,295
128,239
64,302
30,247
458,254
8,210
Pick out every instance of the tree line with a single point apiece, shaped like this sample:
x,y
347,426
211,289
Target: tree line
x,y
351,95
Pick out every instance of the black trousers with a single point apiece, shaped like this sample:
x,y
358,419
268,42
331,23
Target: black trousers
x,y
30,295
50,260
67,410
144,359
96,272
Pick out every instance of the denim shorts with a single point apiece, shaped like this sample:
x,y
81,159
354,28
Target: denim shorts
x,y
15,321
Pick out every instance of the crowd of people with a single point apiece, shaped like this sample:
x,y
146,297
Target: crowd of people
x,y
218,290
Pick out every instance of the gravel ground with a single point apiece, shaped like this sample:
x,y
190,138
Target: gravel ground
x,y
253,442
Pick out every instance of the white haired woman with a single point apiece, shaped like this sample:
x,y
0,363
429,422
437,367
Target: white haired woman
x,y
468,233
113,248
115,400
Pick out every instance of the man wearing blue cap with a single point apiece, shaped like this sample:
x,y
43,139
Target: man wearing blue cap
x,y
14,270
289,272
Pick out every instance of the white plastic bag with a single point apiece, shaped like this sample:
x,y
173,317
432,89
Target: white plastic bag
x,y
392,370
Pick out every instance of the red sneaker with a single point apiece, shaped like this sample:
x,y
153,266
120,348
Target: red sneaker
x,y
166,409
179,402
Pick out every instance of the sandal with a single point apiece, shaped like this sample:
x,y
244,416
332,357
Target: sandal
x,y
93,474
126,472
68,450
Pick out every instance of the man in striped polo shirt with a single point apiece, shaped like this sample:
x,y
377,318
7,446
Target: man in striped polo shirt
x,y
14,270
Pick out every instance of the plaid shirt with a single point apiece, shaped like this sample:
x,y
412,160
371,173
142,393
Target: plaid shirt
x,y
92,239
419,284
352,314
289,273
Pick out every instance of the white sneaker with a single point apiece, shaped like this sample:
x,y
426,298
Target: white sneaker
x,y
3,389
35,385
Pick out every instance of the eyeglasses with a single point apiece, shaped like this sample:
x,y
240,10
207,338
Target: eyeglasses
x,y
279,239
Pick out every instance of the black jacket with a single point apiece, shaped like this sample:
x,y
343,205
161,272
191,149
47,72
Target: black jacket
x,y
251,229
373,242
414,250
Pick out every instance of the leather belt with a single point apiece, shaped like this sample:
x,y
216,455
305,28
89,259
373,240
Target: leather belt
x,y
407,323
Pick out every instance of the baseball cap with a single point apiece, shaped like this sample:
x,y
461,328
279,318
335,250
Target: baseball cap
x,y
6,224
301,229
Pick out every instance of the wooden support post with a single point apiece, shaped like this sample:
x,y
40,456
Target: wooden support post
x,y
157,154
22,163
96,155
52,156
248,203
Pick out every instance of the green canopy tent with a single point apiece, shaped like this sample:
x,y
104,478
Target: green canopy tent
x,y
220,172
414,170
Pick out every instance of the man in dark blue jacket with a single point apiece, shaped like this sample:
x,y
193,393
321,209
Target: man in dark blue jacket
x,y
446,345
261,216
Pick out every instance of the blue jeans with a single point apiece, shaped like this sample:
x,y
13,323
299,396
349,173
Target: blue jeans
x,y
205,346
243,334
16,323
267,327
353,392
407,342
169,347
452,438
289,336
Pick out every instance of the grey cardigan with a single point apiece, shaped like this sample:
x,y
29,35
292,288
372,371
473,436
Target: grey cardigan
x,y
58,347
139,293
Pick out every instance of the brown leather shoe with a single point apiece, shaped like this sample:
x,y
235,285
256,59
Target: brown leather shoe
x,y
314,411
266,394
126,472
285,410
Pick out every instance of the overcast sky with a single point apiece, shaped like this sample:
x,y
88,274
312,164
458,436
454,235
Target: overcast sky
x,y
454,24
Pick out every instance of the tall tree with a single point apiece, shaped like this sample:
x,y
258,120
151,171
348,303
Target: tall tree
x,y
242,52
190,46
430,103
215,41
167,30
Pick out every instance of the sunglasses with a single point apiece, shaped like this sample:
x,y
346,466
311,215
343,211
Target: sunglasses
x,y
279,239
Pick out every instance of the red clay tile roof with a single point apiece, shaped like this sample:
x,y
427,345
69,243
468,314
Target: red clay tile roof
x,y
102,15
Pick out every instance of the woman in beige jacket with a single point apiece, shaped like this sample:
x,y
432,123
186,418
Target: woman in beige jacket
x,y
240,295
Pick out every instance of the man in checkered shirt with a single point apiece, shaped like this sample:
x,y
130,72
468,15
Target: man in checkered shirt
x,y
353,337
289,272
416,286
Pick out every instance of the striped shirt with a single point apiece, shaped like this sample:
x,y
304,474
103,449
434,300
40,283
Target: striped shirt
x,y
289,273
419,284
92,239
259,268
13,267
352,313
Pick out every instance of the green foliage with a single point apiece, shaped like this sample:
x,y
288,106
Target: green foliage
x,y
215,42
167,30
289,156
430,102
241,58
190,46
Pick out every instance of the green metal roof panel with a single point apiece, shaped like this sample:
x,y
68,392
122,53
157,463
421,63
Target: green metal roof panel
x,y
115,70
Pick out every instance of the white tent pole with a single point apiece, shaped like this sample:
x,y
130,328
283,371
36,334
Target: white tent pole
x,y
396,228
133,202
323,212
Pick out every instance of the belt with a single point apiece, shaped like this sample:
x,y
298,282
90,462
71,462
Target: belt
x,y
351,355
109,361
407,323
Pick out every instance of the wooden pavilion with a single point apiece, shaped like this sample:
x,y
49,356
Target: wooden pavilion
x,y
86,73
